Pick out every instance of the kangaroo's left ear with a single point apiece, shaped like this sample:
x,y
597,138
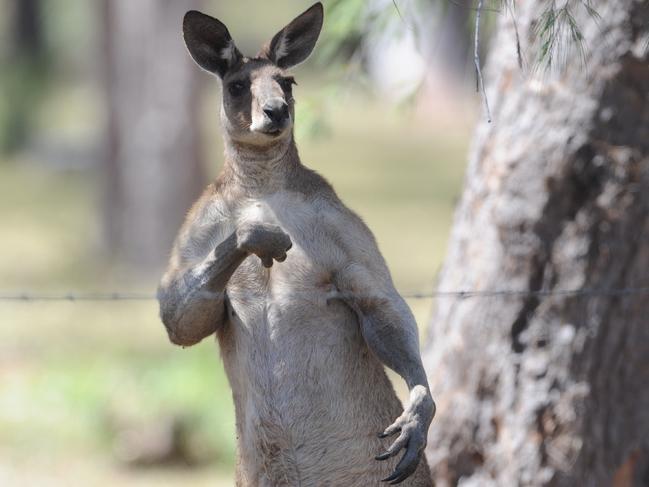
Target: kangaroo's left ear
x,y
294,43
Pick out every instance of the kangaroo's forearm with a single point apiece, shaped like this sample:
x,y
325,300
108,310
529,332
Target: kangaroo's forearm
x,y
228,256
192,303
386,322
392,335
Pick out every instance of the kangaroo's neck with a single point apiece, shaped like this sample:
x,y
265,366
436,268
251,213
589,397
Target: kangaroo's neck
x,y
257,169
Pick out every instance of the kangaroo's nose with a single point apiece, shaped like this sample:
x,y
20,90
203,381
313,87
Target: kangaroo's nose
x,y
276,110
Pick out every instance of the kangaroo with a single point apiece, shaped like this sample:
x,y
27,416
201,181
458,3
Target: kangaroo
x,y
294,287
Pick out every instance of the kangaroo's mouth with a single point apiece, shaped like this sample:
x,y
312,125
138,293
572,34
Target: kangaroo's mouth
x,y
272,131
270,128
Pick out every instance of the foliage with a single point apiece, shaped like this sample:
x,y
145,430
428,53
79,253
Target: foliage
x,y
353,21
558,31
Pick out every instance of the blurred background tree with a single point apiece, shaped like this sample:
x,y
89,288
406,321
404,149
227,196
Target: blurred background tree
x,y
23,85
153,165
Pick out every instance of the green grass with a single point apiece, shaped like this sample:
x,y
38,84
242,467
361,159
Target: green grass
x,y
70,371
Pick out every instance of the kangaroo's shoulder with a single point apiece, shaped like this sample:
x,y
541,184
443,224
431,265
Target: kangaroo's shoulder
x,y
214,197
201,227
312,186
340,220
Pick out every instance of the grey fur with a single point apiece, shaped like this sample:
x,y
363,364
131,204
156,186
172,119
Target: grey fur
x,y
262,260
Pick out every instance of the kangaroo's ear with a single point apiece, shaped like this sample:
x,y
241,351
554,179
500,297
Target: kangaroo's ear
x,y
209,43
294,43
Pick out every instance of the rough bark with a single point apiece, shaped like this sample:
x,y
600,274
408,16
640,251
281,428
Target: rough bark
x,y
542,390
153,168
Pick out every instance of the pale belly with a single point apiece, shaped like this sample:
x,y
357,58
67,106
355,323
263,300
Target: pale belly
x,y
309,395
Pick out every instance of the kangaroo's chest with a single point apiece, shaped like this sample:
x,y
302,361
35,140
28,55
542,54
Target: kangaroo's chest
x,y
288,322
306,276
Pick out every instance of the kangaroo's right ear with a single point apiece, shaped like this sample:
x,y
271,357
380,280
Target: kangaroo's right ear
x,y
294,43
209,43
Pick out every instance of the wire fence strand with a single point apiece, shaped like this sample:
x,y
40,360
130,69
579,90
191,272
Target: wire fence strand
x,y
75,296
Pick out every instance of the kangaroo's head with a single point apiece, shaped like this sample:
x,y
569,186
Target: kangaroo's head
x,y
258,105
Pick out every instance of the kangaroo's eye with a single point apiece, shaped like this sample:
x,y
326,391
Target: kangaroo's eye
x,y
287,84
237,88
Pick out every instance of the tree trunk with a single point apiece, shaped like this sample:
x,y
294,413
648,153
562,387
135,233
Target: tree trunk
x,y
28,36
551,389
153,167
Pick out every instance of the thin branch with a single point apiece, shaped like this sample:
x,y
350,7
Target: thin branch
x,y
408,26
476,59
396,7
519,53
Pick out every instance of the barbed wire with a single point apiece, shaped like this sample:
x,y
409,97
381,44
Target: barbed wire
x,y
75,296
72,296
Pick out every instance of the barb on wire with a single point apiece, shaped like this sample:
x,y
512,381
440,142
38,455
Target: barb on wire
x,y
468,294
